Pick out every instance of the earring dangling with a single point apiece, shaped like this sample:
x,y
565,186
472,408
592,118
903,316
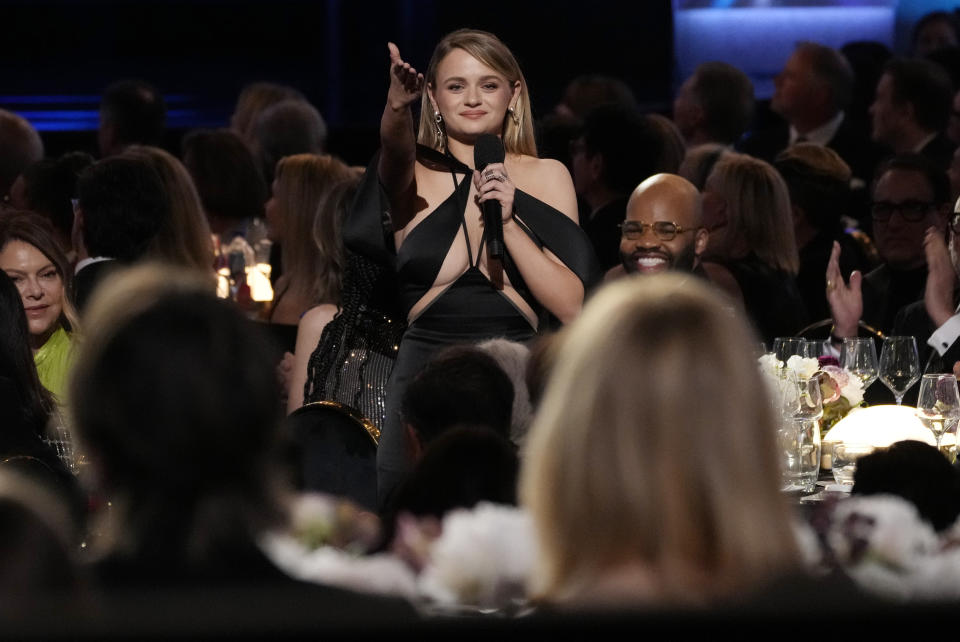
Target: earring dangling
x,y
514,116
438,119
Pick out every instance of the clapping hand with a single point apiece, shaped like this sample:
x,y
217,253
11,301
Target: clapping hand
x,y
938,295
845,299
406,84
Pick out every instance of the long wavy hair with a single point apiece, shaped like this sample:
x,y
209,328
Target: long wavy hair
x,y
517,130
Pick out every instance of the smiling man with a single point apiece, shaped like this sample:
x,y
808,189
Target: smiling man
x,y
663,229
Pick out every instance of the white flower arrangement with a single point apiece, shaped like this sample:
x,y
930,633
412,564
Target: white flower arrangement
x,y
884,545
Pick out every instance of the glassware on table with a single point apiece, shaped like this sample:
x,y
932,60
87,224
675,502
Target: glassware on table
x,y
814,348
786,347
899,365
938,404
799,433
844,461
859,356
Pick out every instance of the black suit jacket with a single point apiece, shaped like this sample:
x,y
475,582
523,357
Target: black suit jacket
x,y
86,280
913,320
940,151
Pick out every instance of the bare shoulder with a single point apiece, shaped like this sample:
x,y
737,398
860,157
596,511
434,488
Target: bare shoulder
x,y
316,318
547,180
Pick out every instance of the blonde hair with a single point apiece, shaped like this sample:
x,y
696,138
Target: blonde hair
x,y
654,411
758,209
185,239
303,183
488,49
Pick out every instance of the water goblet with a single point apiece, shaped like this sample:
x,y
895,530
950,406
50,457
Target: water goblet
x,y
799,435
786,347
844,461
938,404
859,356
899,365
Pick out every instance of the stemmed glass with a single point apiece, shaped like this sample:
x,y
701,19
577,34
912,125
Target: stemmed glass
x,y
938,404
859,356
786,347
899,365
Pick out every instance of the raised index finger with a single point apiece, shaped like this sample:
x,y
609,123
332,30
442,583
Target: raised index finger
x,y
394,54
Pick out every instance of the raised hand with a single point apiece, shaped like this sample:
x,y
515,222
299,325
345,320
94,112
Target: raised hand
x,y
846,300
938,295
406,84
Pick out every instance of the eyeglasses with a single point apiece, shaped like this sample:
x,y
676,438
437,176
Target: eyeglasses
x,y
665,230
912,211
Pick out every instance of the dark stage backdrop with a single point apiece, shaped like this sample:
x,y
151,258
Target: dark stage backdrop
x,y
56,56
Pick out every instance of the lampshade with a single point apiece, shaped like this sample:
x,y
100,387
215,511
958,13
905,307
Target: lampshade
x,y
882,426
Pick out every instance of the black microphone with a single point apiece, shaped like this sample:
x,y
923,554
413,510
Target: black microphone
x,y
487,149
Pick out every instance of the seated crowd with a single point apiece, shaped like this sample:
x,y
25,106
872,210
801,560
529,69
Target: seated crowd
x,y
165,314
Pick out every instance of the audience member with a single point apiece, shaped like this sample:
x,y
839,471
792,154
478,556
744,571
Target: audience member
x,y
131,112
699,161
231,188
25,405
513,357
121,208
811,94
819,185
252,101
191,468
867,59
48,188
916,472
332,268
38,267
751,251
289,127
910,195
20,147
311,265
714,105
911,108
673,148
663,229
934,31
623,488
461,385
185,237
617,147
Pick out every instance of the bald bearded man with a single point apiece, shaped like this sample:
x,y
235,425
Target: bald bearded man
x,y
663,229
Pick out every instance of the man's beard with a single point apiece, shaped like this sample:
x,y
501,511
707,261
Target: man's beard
x,y
684,261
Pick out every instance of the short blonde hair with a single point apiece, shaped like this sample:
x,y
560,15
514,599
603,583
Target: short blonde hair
x,y
653,415
517,131
758,209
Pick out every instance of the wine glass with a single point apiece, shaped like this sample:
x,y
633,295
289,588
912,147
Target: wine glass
x,y
813,349
799,434
786,347
859,356
899,365
938,404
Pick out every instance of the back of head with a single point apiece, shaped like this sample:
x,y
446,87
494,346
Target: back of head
x,y
184,239
924,85
131,112
50,186
916,472
176,402
819,182
832,69
226,176
726,96
20,146
286,128
461,385
757,208
631,147
124,206
619,469
585,93
253,99
934,31
699,161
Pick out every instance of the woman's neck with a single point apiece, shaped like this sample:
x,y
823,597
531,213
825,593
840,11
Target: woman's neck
x,y
463,152
37,341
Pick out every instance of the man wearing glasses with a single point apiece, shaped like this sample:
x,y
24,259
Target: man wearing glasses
x,y
663,229
910,197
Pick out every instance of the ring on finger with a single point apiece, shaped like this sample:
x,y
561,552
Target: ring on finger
x,y
494,176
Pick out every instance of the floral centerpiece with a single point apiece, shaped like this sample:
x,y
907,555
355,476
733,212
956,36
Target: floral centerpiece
x,y
840,389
